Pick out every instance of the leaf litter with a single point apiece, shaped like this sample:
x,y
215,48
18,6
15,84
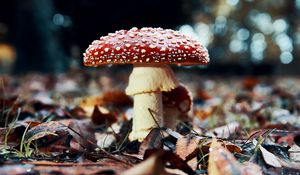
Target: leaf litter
x,y
69,124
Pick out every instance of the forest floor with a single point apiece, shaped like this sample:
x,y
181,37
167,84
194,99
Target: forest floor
x,y
78,123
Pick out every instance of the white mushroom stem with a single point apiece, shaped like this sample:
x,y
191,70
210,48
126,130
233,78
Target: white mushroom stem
x,y
146,82
143,119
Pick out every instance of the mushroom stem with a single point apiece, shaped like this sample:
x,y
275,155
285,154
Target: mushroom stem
x,y
146,84
147,114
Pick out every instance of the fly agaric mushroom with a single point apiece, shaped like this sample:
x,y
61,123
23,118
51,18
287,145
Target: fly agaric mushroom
x,y
177,103
150,50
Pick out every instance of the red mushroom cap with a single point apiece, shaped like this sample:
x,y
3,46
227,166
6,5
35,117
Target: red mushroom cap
x,y
145,45
179,98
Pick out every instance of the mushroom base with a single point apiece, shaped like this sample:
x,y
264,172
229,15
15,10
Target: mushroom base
x,y
147,114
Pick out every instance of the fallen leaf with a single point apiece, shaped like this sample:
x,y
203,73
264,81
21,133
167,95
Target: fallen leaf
x,y
226,130
190,146
173,160
77,113
249,168
103,116
152,165
269,158
103,166
204,112
60,135
116,98
222,162
187,147
152,141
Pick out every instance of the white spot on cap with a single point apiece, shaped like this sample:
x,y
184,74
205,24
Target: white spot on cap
x,y
127,45
169,36
118,48
120,36
131,35
106,49
152,46
143,51
163,49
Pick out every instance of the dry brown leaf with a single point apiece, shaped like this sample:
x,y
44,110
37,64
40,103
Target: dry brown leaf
x,y
102,116
222,162
250,168
152,141
88,104
60,135
173,160
103,166
226,130
204,113
116,98
189,146
153,165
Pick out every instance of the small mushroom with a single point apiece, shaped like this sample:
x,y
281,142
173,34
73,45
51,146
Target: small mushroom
x,y
150,50
177,103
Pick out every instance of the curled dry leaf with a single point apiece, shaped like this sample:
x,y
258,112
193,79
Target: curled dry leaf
x,y
61,135
13,134
152,141
49,136
152,165
103,166
269,157
173,160
114,98
88,104
102,116
189,146
222,162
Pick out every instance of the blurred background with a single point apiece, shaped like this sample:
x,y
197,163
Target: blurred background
x,y
243,36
